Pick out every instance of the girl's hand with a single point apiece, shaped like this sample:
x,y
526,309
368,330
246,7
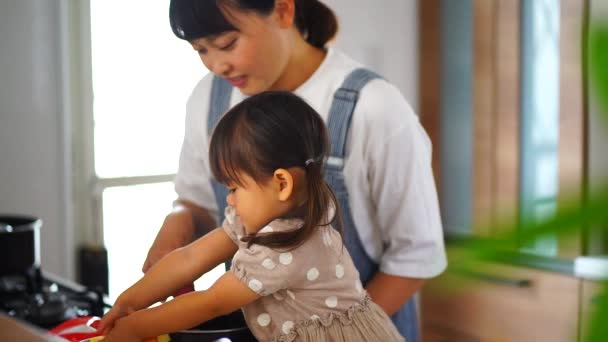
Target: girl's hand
x,y
118,311
121,333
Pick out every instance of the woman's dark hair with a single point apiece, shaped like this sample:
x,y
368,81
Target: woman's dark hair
x,y
266,132
192,19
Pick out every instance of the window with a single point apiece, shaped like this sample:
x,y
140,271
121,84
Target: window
x,y
142,76
540,117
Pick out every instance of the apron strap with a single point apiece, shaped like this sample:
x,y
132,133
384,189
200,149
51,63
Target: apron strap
x,y
341,111
221,90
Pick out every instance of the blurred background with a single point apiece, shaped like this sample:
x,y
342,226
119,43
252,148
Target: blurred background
x,y
92,103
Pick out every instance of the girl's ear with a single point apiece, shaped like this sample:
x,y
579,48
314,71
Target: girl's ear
x,y
285,11
283,181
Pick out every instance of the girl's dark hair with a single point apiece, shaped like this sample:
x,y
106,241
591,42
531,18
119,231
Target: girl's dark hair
x,y
192,19
266,132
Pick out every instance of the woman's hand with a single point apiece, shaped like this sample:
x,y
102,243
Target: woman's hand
x,y
118,311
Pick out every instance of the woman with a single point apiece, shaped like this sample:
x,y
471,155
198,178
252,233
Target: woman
x,y
380,159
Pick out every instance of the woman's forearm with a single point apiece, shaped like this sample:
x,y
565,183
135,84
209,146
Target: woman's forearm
x,y
392,292
202,221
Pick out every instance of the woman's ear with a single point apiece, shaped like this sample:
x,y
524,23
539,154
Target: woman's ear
x,y
285,11
283,181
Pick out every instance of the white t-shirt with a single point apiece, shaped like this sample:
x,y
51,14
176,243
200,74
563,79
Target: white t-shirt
x,y
387,169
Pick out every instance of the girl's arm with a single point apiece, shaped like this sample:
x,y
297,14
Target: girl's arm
x,y
178,268
225,296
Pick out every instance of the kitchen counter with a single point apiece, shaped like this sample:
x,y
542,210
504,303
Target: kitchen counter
x,y
14,330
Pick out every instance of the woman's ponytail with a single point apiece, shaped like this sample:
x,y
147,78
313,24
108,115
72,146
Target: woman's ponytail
x,y
316,22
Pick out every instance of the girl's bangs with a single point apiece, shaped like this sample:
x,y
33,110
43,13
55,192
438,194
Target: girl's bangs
x,y
231,153
225,163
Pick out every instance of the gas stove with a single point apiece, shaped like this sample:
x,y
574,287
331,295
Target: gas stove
x,y
45,300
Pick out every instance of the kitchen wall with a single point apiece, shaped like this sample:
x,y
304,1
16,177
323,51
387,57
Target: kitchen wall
x,y
35,116
383,35
34,160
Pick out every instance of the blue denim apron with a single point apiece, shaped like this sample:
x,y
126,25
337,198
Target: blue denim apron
x,y
340,114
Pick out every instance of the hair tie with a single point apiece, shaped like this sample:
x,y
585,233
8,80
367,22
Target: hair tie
x,y
309,161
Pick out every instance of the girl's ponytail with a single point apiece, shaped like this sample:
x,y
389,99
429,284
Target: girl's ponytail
x,y
316,22
321,197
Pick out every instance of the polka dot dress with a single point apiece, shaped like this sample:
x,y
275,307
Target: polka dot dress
x,y
306,291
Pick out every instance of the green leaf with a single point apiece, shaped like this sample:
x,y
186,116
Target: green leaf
x,y
599,328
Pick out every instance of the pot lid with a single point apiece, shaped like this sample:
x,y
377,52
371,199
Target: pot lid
x,y
18,223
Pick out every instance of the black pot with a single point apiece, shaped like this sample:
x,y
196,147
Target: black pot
x,y
19,243
228,328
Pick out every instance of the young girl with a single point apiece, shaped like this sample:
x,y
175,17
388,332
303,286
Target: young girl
x,y
380,160
291,273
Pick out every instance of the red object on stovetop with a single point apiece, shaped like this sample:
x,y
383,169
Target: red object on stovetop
x,y
78,329
84,329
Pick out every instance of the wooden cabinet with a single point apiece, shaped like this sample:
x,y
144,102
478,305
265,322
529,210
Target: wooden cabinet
x,y
500,303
